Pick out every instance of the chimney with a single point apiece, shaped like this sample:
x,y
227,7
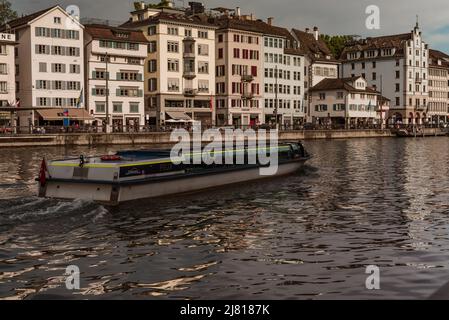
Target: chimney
x,y
316,33
170,3
237,12
307,30
270,21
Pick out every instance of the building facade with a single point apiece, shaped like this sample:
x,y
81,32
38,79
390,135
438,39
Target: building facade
x,y
49,61
7,76
396,65
180,65
283,77
239,75
319,62
120,55
345,103
438,109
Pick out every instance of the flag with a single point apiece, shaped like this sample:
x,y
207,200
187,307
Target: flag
x,y
16,104
80,99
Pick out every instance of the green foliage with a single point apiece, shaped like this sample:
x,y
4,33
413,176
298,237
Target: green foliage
x,y
337,43
162,4
6,12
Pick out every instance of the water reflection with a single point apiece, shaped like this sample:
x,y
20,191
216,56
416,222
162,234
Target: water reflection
x,y
309,235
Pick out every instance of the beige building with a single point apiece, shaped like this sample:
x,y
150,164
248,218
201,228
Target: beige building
x,y
239,75
49,63
180,66
319,63
345,103
438,107
120,55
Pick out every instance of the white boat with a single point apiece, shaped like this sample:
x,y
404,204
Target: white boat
x,y
132,175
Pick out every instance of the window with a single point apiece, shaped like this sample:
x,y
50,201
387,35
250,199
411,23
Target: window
x,y
173,46
57,20
58,68
339,95
398,101
236,53
220,53
203,86
151,30
75,68
173,65
134,107
152,46
203,34
173,31
173,85
220,38
322,96
100,107
374,64
398,74
42,49
203,49
59,102
117,107
203,67
4,87
374,76
152,84
152,65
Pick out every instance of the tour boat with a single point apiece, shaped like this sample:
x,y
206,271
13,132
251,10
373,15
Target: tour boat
x,y
138,174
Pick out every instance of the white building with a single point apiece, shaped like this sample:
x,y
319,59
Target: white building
x,y
180,66
126,51
7,80
283,77
345,103
49,62
7,70
400,64
319,62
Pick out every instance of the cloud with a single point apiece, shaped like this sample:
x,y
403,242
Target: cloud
x,y
332,17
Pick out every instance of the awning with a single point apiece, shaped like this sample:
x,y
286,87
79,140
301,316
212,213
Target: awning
x,y
178,115
58,114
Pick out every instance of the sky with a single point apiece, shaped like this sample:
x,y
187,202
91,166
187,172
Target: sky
x,y
331,16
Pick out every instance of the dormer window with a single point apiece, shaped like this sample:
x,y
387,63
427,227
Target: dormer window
x,y
353,55
57,20
370,54
123,35
388,52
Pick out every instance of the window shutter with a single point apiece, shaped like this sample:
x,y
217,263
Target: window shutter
x,y
117,93
118,77
93,92
139,77
140,93
63,68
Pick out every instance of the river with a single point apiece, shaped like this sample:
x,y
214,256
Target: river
x,y
361,202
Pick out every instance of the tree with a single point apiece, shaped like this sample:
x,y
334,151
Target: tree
x,y
6,12
336,44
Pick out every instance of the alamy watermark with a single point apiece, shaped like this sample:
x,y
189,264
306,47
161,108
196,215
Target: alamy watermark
x,y
373,280
72,280
228,147
372,22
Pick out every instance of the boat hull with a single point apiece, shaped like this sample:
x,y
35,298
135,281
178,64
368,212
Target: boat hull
x,y
114,194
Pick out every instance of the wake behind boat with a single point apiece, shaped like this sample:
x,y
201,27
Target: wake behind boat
x,y
132,175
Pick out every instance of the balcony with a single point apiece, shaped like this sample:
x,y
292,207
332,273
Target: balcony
x,y
189,55
421,108
190,92
247,95
247,78
189,74
418,80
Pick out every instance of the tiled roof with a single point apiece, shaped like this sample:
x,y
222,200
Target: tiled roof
x,y
340,84
317,50
25,19
104,32
165,16
397,42
435,55
258,26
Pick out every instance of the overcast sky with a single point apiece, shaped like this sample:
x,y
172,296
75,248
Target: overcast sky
x,y
331,16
